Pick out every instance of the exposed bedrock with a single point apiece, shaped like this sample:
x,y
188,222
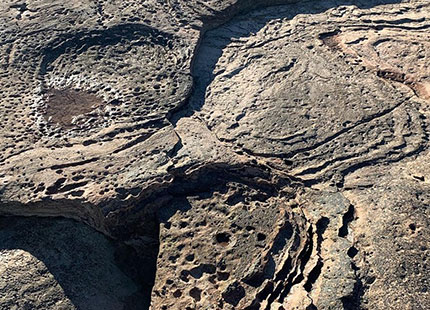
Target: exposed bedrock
x,y
214,154
272,86
62,264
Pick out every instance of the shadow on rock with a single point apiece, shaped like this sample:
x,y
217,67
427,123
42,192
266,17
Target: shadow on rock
x,y
62,264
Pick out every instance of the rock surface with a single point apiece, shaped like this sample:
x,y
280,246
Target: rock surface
x,y
53,264
222,154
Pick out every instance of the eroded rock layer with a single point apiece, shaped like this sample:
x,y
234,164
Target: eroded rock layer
x,y
231,154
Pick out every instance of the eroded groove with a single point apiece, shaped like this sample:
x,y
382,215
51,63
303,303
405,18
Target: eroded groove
x,y
313,275
74,164
347,218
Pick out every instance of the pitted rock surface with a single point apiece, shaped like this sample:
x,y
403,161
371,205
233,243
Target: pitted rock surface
x,y
226,154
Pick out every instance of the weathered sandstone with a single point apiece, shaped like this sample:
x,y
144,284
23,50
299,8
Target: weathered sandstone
x,y
223,154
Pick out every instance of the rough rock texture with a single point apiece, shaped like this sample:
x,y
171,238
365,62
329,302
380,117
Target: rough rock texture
x,y
52,264
223,154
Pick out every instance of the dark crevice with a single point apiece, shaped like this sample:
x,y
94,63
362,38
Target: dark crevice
x,y
347,218
321,227
139,261
352,252
153,124
70,187
288,276
140,139
313,276
296,276
353,300
305,255
72,164
54,188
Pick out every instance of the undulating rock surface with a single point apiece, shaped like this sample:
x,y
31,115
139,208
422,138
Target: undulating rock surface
x,y
220,154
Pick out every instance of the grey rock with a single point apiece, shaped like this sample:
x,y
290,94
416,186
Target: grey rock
x,y
222,154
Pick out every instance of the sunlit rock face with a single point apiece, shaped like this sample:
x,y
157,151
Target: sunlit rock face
x,y
214,154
